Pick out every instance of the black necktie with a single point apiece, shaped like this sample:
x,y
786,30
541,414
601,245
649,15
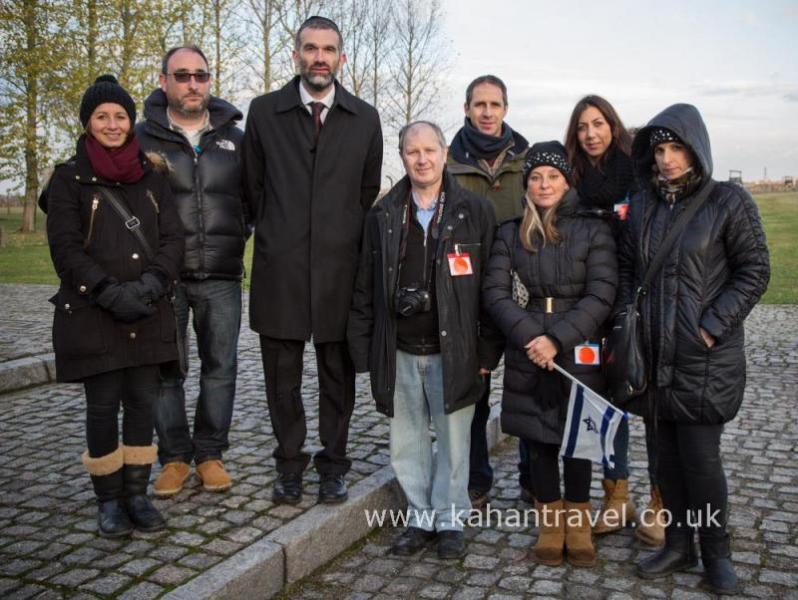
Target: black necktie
x,y
317,107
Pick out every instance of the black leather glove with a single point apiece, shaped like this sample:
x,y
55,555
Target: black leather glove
x,y
123,303
149,287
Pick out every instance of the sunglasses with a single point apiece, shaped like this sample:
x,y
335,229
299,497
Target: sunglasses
x,y
185,76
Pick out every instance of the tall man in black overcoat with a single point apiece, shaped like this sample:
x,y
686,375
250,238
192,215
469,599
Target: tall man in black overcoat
x,y
312,155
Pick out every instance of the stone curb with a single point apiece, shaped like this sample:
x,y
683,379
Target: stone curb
x,y
295,550
26,372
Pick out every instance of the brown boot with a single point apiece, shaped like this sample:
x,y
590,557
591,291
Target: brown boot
x,y
651,524
578,540
618,510
551,538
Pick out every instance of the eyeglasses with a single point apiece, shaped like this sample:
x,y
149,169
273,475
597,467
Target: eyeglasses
x,y
185,76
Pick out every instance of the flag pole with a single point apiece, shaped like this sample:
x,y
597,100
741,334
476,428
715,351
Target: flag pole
x,y
576,381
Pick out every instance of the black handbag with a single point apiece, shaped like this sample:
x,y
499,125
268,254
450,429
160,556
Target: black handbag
x,y
626,359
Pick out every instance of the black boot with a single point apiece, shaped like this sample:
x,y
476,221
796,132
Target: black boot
x,y
112,520
143,514
719,573
678,554
106,477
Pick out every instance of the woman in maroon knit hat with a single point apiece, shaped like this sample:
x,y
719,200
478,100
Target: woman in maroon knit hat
x,y
117,245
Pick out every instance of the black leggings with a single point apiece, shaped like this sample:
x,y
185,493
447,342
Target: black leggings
x,y
136,389
691,477
545,472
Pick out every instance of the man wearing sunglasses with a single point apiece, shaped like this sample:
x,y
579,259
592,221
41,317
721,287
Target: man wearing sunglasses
x,y
312,156
197,134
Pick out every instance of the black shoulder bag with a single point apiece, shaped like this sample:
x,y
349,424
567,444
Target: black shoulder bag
x,y
133,225
626,357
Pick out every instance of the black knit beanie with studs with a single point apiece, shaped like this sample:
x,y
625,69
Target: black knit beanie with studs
x,y
106,89
547,154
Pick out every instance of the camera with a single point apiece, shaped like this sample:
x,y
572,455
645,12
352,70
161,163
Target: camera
x,y
411,300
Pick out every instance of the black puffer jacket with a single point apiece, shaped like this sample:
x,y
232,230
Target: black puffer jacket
x,y
207,186
88,243
713,277
466,344
580,273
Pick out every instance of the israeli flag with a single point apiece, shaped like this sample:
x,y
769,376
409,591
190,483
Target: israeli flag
x,y
591,426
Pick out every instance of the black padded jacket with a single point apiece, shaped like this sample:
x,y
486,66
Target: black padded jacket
x,y
714,275
206,186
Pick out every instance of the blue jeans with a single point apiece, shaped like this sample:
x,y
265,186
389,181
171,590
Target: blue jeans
x,y
436,487
216,307
621,454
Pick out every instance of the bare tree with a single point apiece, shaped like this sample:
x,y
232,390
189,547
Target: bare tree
x,y
418,60
270,41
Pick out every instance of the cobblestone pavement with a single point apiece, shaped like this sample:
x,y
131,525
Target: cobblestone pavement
x,y
759,455
49,549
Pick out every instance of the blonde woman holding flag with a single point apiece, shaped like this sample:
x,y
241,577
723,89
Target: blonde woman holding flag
x,y
549,285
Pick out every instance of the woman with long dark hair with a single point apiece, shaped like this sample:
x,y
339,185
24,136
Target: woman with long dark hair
x,y
692,316
599,149
117,245
549,285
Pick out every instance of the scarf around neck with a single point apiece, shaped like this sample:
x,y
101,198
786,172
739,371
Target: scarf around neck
x,y
481,145
122,164
673,190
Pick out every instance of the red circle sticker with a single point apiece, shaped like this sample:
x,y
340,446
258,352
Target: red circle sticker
x,y
587,355
460,266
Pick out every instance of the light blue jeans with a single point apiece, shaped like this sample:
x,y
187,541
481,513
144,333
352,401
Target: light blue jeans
x,y
436,486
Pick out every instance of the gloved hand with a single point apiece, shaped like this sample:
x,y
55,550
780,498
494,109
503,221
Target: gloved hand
x,y
148,287
122,302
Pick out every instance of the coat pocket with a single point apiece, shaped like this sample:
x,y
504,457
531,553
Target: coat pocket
x,y
77,326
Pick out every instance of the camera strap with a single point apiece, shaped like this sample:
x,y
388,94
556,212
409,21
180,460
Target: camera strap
x,y
434,233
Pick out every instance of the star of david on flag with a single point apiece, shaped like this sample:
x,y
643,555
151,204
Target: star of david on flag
x,y
591,425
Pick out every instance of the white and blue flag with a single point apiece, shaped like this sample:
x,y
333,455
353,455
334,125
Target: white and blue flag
x,y
591,425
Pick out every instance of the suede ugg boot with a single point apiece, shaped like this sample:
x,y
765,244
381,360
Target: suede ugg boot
x,y
618,510
651,524
578,537
138,463
551,537
106,477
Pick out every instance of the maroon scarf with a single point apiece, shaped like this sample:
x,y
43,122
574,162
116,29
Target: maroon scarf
x,y
122,164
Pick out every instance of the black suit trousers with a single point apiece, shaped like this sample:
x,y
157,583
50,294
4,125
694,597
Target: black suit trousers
x,y
282,367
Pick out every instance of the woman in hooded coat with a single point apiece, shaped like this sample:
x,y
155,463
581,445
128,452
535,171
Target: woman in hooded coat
x,y
692,317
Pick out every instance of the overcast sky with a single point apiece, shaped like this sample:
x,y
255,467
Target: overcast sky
x,y
735,60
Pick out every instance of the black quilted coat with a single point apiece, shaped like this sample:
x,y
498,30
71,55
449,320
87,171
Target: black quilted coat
x,y
206,186
580,273
716,273
89,242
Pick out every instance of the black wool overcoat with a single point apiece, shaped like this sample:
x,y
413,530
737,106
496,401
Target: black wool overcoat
x,y
308,198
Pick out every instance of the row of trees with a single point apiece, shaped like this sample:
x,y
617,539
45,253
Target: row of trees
x,y
51,50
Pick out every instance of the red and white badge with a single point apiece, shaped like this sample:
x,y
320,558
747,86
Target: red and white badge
x,y
621,209
460,264
587,354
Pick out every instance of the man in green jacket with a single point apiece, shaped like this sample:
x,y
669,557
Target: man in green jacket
x,y
487,157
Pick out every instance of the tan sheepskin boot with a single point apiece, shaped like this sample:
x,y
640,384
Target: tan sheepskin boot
x,y
651,524
578,537
551,538
618,510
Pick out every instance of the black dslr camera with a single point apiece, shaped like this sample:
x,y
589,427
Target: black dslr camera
x,y
411,300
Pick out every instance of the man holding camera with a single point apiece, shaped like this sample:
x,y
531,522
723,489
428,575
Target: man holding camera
x,y
415,325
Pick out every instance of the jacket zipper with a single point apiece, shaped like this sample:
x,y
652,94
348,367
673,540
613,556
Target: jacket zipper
x,y
151,196
95,203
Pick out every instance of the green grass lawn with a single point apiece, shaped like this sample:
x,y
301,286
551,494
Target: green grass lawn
x,y
26,259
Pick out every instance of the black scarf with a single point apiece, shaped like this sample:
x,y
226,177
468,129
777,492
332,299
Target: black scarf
x,y
479,145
